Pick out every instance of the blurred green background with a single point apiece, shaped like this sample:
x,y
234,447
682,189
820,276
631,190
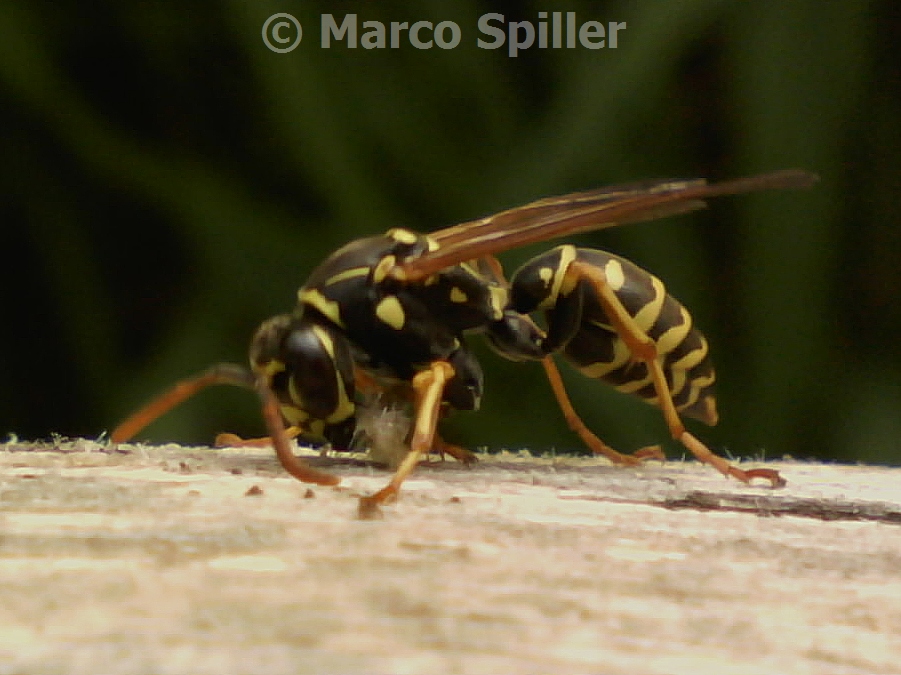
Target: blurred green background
x,y
168,182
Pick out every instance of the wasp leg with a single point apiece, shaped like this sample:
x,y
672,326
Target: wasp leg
x,y
428,387
281,444
221,373
459,453
227,440
368,384
644,349
226,373
595,444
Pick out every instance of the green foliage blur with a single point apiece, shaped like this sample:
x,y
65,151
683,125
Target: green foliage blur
x,y
168,182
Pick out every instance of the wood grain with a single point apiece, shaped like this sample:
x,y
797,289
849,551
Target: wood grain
x,y
194,560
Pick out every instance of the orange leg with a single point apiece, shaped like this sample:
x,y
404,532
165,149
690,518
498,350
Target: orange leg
x,y
228,440
221,373
227,373
595,444
644,348
428,387
282,445
459,453
368,384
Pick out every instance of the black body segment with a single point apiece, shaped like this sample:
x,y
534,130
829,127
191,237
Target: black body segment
x,y
393,329
579,327
394,326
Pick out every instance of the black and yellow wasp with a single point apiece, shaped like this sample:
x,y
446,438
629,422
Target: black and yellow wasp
x,y
391,313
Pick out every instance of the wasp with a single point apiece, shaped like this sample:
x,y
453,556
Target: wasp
x,y
391,314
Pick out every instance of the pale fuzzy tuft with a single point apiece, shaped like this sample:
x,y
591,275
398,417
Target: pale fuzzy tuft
x,y
383,431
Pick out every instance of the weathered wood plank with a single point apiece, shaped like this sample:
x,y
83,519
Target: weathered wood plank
x,y
163,560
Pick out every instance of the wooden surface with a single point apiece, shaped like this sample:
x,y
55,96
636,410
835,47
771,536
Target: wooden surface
x,y
172,560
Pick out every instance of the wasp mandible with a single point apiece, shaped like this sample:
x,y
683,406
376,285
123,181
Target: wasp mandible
x,y
391,313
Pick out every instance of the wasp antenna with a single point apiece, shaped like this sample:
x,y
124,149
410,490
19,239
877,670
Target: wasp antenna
x,y
221,373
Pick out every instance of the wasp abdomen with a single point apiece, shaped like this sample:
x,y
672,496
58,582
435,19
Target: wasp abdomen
x,y
598,351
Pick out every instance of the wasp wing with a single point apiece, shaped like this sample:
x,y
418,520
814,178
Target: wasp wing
x,y
578,212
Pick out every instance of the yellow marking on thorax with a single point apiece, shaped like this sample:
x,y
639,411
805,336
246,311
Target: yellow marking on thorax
x,y
457,295
328,308
402,236
383,267
348,274
499,298
390,311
